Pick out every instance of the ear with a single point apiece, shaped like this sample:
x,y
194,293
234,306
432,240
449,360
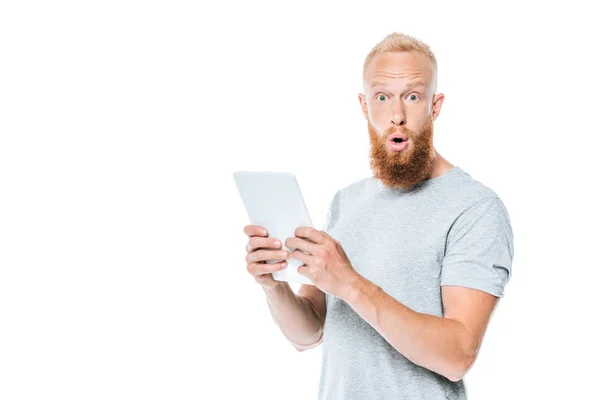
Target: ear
x,y
363,105
438,100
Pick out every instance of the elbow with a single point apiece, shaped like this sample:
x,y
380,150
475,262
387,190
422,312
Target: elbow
x,y
301,348
459,370
463,362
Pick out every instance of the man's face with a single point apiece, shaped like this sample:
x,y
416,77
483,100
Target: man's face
x,y
398,102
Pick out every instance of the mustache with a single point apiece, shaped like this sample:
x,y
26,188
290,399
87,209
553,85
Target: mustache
x,y
403,131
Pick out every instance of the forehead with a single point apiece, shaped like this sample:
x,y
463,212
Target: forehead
x,y
398,67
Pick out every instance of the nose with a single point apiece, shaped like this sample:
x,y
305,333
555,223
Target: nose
x,y
398,116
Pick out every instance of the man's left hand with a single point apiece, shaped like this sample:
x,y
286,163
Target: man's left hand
x,y
326,263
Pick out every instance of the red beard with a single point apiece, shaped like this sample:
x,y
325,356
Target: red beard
x,y
408,167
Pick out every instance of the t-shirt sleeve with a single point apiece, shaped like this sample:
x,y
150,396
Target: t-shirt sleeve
x,y
479,248
332,213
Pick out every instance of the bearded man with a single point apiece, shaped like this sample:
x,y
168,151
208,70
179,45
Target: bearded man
x,y
411,262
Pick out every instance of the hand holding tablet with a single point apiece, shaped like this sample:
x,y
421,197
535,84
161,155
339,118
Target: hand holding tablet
x,y
261,249
273,201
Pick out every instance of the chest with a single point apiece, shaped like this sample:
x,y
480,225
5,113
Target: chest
x,y
400,247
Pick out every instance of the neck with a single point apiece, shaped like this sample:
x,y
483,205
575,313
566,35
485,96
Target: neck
x,y
440,166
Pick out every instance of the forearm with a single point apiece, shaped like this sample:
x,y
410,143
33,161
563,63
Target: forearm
x,y
432,342
295,316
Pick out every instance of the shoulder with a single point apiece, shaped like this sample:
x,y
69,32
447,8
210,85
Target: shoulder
x,y
471,192
357,188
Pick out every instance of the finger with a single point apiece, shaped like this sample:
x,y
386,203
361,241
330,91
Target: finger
x,y
257,269
264,255
303,270
256,243
301,244
298,255
255,230
311,233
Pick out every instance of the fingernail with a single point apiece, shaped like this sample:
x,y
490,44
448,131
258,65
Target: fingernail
x,y
277,243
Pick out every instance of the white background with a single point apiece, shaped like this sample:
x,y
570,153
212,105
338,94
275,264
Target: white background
x,y
122,271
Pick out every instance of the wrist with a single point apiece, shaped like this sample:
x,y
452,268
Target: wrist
x,y
276,290
360,287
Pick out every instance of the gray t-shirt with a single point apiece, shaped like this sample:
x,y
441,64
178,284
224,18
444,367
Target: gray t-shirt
x,y
449,230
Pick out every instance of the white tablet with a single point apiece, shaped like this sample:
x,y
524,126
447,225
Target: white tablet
x,y
274,201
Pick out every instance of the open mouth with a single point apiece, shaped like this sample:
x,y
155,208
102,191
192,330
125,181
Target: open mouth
x,y
398,143
398,137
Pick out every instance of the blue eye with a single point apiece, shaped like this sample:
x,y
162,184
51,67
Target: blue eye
x,y
380,96
414,95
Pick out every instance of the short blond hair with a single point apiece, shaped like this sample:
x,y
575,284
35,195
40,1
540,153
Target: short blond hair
x,y
402,42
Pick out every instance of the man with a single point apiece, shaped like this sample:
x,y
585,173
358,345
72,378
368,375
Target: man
x,y
411,262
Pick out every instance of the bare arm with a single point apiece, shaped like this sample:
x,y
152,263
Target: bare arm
x,y
295,316
447,345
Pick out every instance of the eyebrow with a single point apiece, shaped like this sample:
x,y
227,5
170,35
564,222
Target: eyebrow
x,y
409,86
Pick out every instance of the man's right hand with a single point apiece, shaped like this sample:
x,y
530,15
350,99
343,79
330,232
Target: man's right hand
x,y
261,248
